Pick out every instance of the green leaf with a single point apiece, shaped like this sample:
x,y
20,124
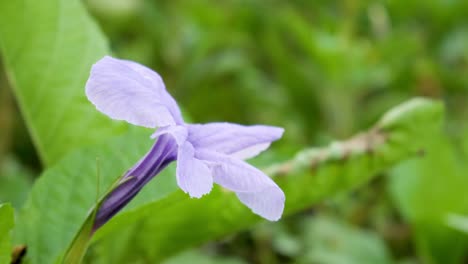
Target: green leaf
x,y
169,225
15,183
427,190
327,240
62,197
49,47
195,257
162,220
6,225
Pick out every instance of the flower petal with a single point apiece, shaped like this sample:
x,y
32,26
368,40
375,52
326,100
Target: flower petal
x,y
125,90
239,141
269,203
235,174
193,175
255,189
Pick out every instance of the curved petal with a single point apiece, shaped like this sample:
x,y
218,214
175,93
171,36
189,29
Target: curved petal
x,y
155,79
238,141
235,174
252,186
268,203
125,90
193,175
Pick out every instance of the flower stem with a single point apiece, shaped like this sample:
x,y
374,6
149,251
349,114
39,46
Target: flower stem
x,y
79,246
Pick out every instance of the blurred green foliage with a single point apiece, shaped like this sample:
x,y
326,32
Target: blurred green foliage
x,y
6,225
427,195
321,69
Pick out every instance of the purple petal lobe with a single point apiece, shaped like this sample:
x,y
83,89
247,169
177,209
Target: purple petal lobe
x,y
193,175
232,139
268,203
128,91
250,152
235,174
253,187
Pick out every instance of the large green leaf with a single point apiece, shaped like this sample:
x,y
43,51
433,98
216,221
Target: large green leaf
x,y
6,225
169,225
61,198
15,183
49,47
427,190
170,221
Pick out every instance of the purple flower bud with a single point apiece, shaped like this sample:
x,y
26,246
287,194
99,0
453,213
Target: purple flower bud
x,y
163,152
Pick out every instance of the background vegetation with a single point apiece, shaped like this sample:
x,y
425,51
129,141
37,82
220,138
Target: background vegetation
x,y
323,70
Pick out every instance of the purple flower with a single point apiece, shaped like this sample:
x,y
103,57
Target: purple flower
x,y
205,153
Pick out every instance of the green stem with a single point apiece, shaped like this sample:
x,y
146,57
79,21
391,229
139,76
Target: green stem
x,y
80,243
79,246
